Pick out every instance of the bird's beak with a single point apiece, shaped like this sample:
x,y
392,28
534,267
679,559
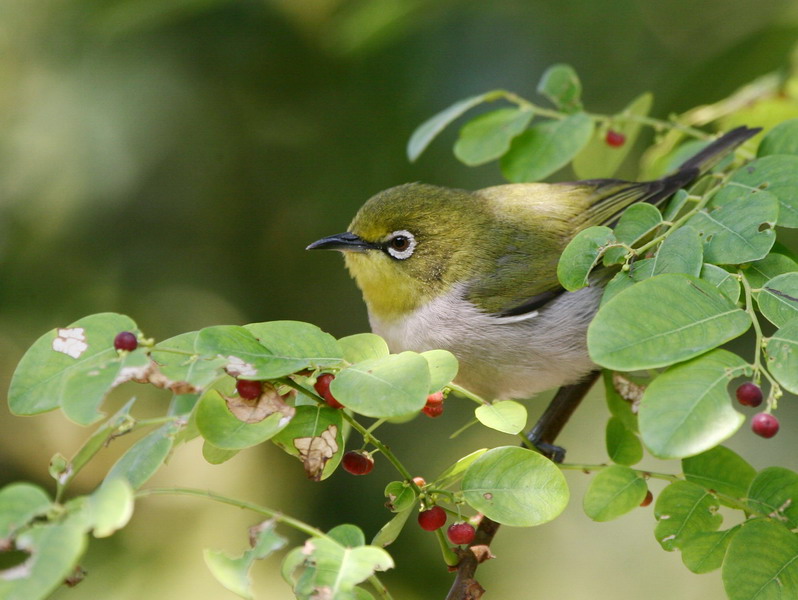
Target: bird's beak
x,y
346,242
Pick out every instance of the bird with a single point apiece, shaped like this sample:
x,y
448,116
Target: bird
x,y
475,272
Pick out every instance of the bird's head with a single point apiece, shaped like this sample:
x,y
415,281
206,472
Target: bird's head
x,y
411,243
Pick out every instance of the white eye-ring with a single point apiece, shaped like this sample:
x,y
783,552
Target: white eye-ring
x,y
400,244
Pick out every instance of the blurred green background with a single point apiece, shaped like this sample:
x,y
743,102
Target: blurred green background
x,y
170,160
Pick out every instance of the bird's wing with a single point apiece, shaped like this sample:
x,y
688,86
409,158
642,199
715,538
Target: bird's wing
x,y
522,269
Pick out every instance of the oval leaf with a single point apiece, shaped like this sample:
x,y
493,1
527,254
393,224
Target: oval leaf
x,y
488,136
723,280
623,446
393,386
506,416
773,492
615,491
687,409
683,509
224,430
720,469
429,129
442,368
581,254
738,226
681,252
765,570
546,148
363,346
561,85
782,353
515,486
145,457
778,300
663,320
635,223
782,139
777,174
39,381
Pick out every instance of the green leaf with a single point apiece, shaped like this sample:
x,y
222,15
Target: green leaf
x,y
760,271
782,352
178,359
19,504
738,226
617,284
683,509
401,496
723,280
515,486
54,549
224,430
680,253
442,368
762,562
675,205
720,469
773,492
488,136
663,320
111,506
704,551
40,378
506,416
145,457
561,85
233,572
390,531
214,455
296,345
456,471
635,223
778,300
782,139
615,491
84,390
392,386
335,563
581,254
598,159
545,148
623,446
687,410
777,174
430,128
619,407
363,346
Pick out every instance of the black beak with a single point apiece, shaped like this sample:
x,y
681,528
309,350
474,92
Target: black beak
x,y
346,242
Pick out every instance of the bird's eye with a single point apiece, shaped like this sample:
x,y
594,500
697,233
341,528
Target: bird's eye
x,y
400,245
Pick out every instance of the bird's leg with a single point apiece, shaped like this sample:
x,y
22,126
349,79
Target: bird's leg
x,y
556,415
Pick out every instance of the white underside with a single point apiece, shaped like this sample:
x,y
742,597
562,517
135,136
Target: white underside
x,y
510,357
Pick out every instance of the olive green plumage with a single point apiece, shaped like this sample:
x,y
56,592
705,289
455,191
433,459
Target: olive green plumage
x,y
476,272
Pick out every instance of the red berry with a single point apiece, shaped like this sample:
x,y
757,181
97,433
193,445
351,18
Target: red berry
x,y
433,410
461,533
765,425
357,462
615,138
435,399
322,387
648,499
249,389
125,340
432,519
749,394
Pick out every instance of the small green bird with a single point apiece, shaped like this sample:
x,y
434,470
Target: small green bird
x,y
475,273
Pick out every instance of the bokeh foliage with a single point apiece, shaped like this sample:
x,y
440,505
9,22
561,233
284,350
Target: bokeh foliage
x,y
170,159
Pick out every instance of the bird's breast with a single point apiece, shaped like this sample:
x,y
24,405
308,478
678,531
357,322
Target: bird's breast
x,y
514,357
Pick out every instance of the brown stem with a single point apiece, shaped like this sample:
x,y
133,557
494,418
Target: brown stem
x,y
545,431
